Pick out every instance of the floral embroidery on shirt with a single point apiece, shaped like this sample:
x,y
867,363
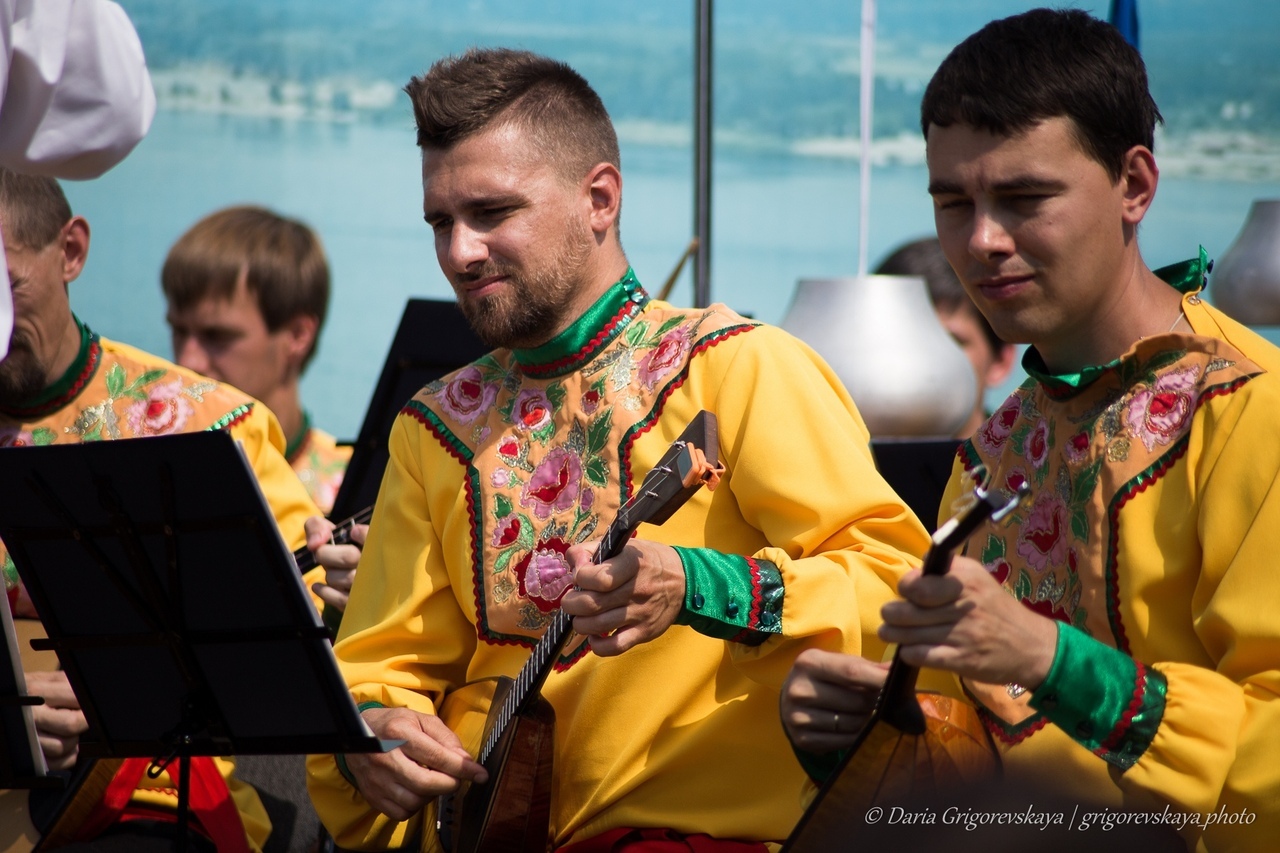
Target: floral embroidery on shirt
x,y
1083,452
995,432
164,410
11,436
544,574
1042,536
554,485
546,451
1158,413
100,421
468,396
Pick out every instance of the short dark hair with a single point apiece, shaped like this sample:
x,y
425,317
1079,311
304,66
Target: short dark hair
x,y
1019,71
461,96
280,260
34,209
926,259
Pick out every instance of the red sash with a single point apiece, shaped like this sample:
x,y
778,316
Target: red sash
x,y
213,812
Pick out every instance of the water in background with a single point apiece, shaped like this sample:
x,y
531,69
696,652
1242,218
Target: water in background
x,y
777,218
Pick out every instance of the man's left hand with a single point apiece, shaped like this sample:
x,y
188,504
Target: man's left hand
x,y
627,600
339,561
965,622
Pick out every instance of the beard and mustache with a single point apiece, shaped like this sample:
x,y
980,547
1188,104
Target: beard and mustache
x,y
21,374
533,306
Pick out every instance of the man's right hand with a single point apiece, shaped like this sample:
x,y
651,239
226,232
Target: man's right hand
x,y
59,721
828,697
431,762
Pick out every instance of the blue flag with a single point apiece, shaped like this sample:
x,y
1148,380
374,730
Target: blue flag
x,y
1124,17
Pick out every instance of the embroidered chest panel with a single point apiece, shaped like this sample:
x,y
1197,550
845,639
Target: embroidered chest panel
x,y
549,459
1085,456
128,399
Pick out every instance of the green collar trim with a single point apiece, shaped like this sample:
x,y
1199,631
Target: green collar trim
x,y
1185,276
65,389
1062,384
1188,276
598,326
297,442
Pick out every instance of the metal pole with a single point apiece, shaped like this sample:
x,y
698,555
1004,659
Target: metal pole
x,y
702,153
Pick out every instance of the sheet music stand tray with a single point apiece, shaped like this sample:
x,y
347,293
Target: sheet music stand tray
x,y
172,603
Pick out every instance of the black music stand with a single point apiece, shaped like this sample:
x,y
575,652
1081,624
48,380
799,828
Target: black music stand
x,y
433,339
918,470
173,605
21,763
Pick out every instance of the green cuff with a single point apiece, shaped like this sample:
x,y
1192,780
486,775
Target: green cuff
x,y
731,597
341,758
1102,698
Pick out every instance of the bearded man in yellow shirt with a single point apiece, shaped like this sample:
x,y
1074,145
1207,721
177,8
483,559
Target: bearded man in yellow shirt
x,y
665,698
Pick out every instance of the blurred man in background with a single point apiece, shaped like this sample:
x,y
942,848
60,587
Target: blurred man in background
x,y
247,293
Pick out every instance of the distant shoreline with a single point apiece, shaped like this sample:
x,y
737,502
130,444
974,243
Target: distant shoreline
x,y
1213,153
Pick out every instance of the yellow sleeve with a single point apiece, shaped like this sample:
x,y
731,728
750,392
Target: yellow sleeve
x,y
263,441
1216,747
402,606
802,474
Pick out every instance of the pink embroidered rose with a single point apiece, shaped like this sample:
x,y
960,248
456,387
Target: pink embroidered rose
x,y
164,411
468,396
1159,414
507,531
499,478
1077,447
996,431
531,410
1042,541
509,448
554,484
1015,480
1000,570
544,574
590,402
13,437
664,358
587,498
1038,444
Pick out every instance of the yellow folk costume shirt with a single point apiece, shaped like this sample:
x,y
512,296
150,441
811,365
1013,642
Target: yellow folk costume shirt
x,y
115,391
498,467
320,463
1152,537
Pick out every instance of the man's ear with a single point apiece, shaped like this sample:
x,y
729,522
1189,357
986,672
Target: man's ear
x,y
1138,177
74,240
604,191
302,331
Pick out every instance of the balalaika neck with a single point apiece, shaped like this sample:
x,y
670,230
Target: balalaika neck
x,y
535,671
